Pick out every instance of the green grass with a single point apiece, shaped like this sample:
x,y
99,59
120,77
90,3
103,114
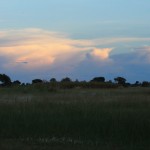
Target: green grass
x,y
76,118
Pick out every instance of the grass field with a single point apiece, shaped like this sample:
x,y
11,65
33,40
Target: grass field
x,y
86,119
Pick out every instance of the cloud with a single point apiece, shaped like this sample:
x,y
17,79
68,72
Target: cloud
x,y
38,52
42,48
143,54
138,55
132,65
102,54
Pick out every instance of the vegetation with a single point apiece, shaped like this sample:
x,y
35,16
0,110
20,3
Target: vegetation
x,y
36,81
75,115
5,80
120,80
96,82
98,79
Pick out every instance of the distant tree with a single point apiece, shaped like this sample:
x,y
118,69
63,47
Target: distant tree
x,y
37,81
137,83
98,79
28,84
110,81
120,80
145,84
23,84
53,80
67,79
17,82
5,80
127,84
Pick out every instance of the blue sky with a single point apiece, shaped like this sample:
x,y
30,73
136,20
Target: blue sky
x,y
79,38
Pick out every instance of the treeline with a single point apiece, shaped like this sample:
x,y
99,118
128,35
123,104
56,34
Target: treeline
x,y
96,82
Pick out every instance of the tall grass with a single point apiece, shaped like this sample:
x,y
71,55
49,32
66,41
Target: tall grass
x,y
96,116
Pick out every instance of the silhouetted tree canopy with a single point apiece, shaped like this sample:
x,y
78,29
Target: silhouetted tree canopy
x,y
53,80
120,80
17,82
67,79
67,83
5,80
98,79
145,84
37,81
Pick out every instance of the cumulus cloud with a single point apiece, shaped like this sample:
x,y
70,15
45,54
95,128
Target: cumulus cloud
x,y
40,48
138,55
31,50
143,53
102,54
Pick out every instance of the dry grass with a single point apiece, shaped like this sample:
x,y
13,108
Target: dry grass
x,y
76,118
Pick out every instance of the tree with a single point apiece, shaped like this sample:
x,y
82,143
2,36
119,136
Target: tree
x,y
5,80
67,79
53,80
37,81
98,79
120,80
137,83
17,82
145,84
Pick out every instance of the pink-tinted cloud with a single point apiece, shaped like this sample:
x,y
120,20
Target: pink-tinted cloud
x,y
102,54
40,48
31,50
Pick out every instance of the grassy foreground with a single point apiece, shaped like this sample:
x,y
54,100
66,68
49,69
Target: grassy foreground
x,y
75,119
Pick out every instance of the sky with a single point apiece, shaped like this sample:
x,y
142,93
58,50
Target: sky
x,y
80,39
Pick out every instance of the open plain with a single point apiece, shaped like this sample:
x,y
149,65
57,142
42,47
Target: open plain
x,y
68,119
